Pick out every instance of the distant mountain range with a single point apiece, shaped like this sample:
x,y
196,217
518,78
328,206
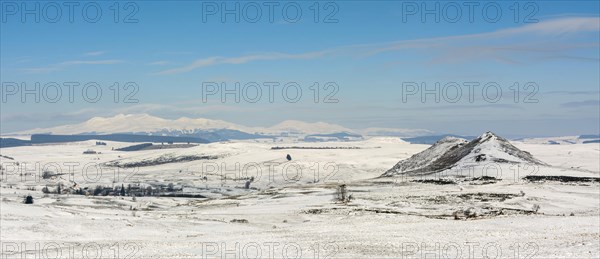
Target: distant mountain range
x,y
429,140
564,140
148,128
148,124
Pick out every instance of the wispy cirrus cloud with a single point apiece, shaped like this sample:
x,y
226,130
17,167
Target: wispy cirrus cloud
x,y
159,63
204,62
94,53
557,27
178,110
63,65
538,41
573,92
581,104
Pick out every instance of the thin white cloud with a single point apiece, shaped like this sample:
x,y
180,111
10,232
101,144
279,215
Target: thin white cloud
x,y
241,60
63,65
581,103
94,53
557,26
487,45
159,63
178,110
90,62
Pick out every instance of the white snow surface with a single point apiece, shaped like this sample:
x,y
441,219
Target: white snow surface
x,y
296,215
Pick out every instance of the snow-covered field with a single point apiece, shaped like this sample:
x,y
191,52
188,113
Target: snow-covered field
x,y
289,209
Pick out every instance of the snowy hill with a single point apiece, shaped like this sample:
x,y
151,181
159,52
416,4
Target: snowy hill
x,y
430,140
425,160
456,152
134,123
563,140
150,125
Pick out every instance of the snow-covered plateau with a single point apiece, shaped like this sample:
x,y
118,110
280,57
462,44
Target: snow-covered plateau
x,y
380,197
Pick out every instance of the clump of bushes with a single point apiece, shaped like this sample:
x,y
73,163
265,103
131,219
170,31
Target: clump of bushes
x,y
28,199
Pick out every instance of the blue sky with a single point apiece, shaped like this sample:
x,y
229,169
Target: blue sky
x,y
370,49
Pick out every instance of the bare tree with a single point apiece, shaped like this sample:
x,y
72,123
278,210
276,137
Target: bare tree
x,y
342,193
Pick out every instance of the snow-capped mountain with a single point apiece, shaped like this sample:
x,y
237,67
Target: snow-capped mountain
x,y
426,160
136,123
450,152
148,124
563,140
404,133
